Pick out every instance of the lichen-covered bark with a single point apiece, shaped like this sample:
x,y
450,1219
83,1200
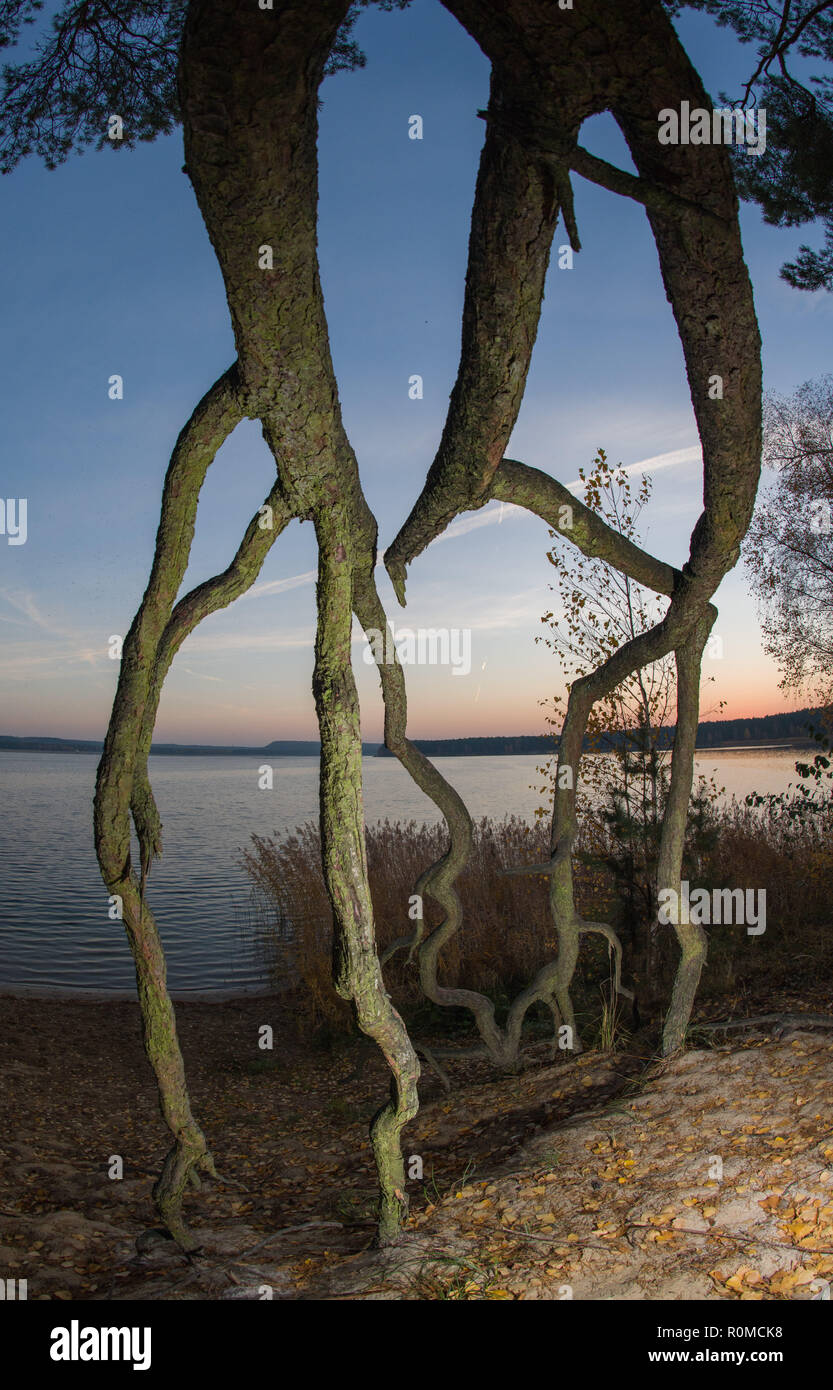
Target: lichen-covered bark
x,y
356,968
536,491
691,936
622,56
189,1153
584,693
249,79
208,597
550,72
214,418
516,208
250,144
439,879
528,487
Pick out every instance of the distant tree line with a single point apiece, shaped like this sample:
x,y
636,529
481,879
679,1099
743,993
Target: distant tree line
x,y
793,726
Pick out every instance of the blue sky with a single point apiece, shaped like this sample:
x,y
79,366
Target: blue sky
x,y
105,268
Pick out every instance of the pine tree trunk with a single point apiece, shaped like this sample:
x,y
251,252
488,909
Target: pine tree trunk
x,y
691,936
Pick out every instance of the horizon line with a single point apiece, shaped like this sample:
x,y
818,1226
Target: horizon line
x,y
379,742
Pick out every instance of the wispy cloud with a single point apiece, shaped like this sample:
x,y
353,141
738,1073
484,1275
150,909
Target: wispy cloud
x,y
280,586
201,677
52,647
497,512
23,601
72,648
260,641
511,611
49,660
494,514
491,515
692,453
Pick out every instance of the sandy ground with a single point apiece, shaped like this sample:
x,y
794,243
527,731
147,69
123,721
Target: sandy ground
x,y
601,1177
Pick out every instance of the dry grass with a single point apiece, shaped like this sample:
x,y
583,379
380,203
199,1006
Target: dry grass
x,y
507,931
793,863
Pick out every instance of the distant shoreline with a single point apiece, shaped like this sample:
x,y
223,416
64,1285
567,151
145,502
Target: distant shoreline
x,y
376,751
787,731
187,750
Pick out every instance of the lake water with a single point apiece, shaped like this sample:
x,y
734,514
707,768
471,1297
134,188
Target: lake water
x,y
55,935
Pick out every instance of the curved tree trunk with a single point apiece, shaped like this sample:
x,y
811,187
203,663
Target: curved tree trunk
x,y
438,880
562,67
691,936
250,143
190,1152
356,967
516,208
214,418
206,598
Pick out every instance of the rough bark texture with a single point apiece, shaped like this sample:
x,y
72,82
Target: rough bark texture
x,y
134,725
249,81
206,598
691,936
250,143
528,487
622,56
513,482
438,880
357,971
214,418
515,212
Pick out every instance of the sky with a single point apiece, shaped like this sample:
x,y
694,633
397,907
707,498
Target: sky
x,y
106,268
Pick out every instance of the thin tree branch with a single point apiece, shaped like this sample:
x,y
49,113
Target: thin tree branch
x,y
641,190
538,492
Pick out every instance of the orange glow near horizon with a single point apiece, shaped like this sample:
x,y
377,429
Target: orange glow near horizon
x,y
490,703
256,727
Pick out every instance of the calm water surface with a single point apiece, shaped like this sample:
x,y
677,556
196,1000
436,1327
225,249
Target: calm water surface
x,y
55,934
